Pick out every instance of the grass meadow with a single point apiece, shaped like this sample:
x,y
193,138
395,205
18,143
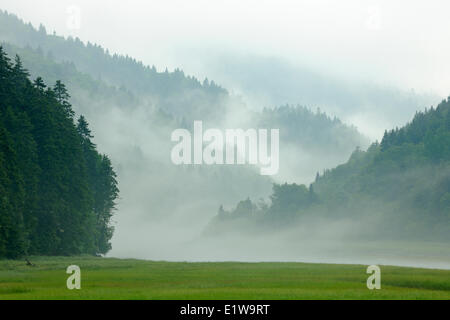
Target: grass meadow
x,y
107,278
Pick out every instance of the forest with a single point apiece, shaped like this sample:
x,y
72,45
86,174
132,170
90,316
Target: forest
x,y
57,192
402,184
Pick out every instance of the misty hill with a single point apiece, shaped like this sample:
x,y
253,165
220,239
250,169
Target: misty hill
x,y
267,81
397,189
98,80
57,192
173,91
311,130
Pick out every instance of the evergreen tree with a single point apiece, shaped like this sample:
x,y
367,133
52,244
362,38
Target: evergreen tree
x,y
63,97
57,193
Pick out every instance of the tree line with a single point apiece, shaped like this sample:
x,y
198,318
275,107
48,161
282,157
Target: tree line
x,y
57,193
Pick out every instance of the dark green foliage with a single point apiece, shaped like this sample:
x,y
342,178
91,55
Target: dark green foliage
x,y
103,185
287,202
408,173
291,198
56,192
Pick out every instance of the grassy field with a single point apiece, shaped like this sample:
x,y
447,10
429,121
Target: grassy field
x,y
135,279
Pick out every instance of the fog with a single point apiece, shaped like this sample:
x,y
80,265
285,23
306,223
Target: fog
x,y
402,42
400,46
165,212
265,81
373,64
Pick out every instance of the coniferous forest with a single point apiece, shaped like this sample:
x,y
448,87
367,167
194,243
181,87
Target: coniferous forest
x,y
57,192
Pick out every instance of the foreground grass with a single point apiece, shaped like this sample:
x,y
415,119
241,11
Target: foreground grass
x,y
136,279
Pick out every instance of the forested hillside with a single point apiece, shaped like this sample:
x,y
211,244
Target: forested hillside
x,y
314,131
85,90
370,105
181,95
101,82
92,68
400,186
57,192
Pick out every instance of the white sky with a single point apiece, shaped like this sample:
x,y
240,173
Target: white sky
x,y
405,43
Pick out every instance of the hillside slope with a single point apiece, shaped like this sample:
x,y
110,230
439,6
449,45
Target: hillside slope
x,y
399,188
